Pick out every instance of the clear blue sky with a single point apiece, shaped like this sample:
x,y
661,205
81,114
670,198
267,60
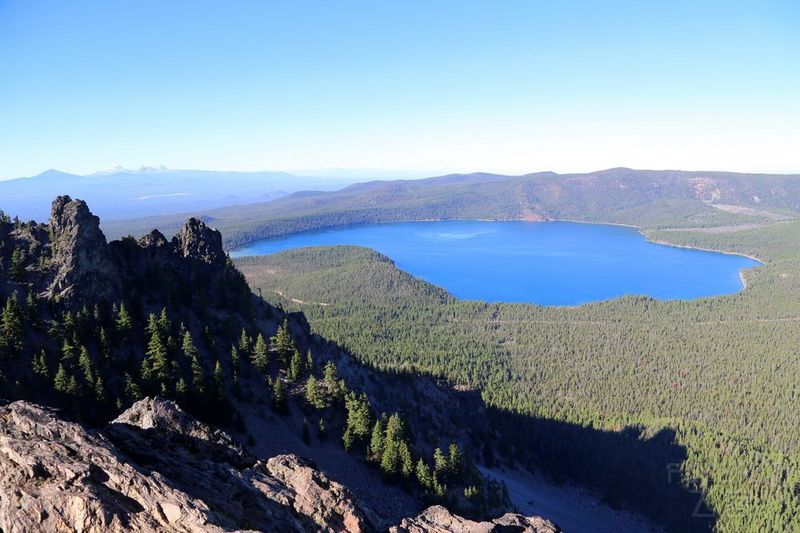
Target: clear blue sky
x,y
509,86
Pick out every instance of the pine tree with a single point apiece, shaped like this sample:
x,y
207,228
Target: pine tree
x,y
283,343
235,363
406,461
86,365
99,390
31,309
314,395
187,346
219,381
454,461
439,489
61,380
244,343
39,364
309,361
296,366
156,365
439,462
359,417
377,438
279,394
330,374
424,474
390,459
105,345
260,354
67,352
17,269
181,388
11,327
132,390
198,375
123,323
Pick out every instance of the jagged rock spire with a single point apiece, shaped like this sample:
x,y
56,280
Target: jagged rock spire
x,y
80,259
199,242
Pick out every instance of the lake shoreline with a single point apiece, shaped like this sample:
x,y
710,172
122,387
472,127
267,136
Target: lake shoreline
x,y
620,262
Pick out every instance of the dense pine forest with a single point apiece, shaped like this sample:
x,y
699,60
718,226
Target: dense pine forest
x,y
716,376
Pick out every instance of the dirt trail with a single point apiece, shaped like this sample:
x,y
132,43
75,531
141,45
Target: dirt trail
x,y
298,301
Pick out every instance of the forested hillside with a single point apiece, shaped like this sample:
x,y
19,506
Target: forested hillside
x,y
718,374
638,197
91,327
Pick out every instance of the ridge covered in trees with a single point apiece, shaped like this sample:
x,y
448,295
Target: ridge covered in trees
x,y
91,327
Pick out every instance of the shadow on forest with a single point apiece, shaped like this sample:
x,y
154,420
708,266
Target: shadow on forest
x,y
625,468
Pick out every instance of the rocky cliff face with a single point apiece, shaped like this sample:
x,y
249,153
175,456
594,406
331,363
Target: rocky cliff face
x,y
80,259
198,241
155,468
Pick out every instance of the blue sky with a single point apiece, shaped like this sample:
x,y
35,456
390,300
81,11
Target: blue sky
x,y
419,86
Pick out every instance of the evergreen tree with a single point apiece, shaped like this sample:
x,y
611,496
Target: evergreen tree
x,y
11,329
315,395
439,462
219,381
99,390
187,346
181,388
406,461
330,374
235,363
104,343
279,394
86,365
424,474
283,343
61,380
244,343
296,366
454,461
67,352
39,364
359,417
390,459
198,375
17,269
132,390
156,366
260,354
377,438
123,323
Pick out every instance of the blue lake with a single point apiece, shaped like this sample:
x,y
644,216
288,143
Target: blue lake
x,y
556,263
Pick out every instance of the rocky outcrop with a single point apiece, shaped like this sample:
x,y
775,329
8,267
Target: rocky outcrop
x,y
57,476
80,258
326,502
437,519
155,468
198,241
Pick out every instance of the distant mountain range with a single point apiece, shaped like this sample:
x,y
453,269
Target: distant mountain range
x,y
652,198
122,193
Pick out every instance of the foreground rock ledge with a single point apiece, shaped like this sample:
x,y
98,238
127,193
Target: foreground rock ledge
x,y
155,468
437,519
